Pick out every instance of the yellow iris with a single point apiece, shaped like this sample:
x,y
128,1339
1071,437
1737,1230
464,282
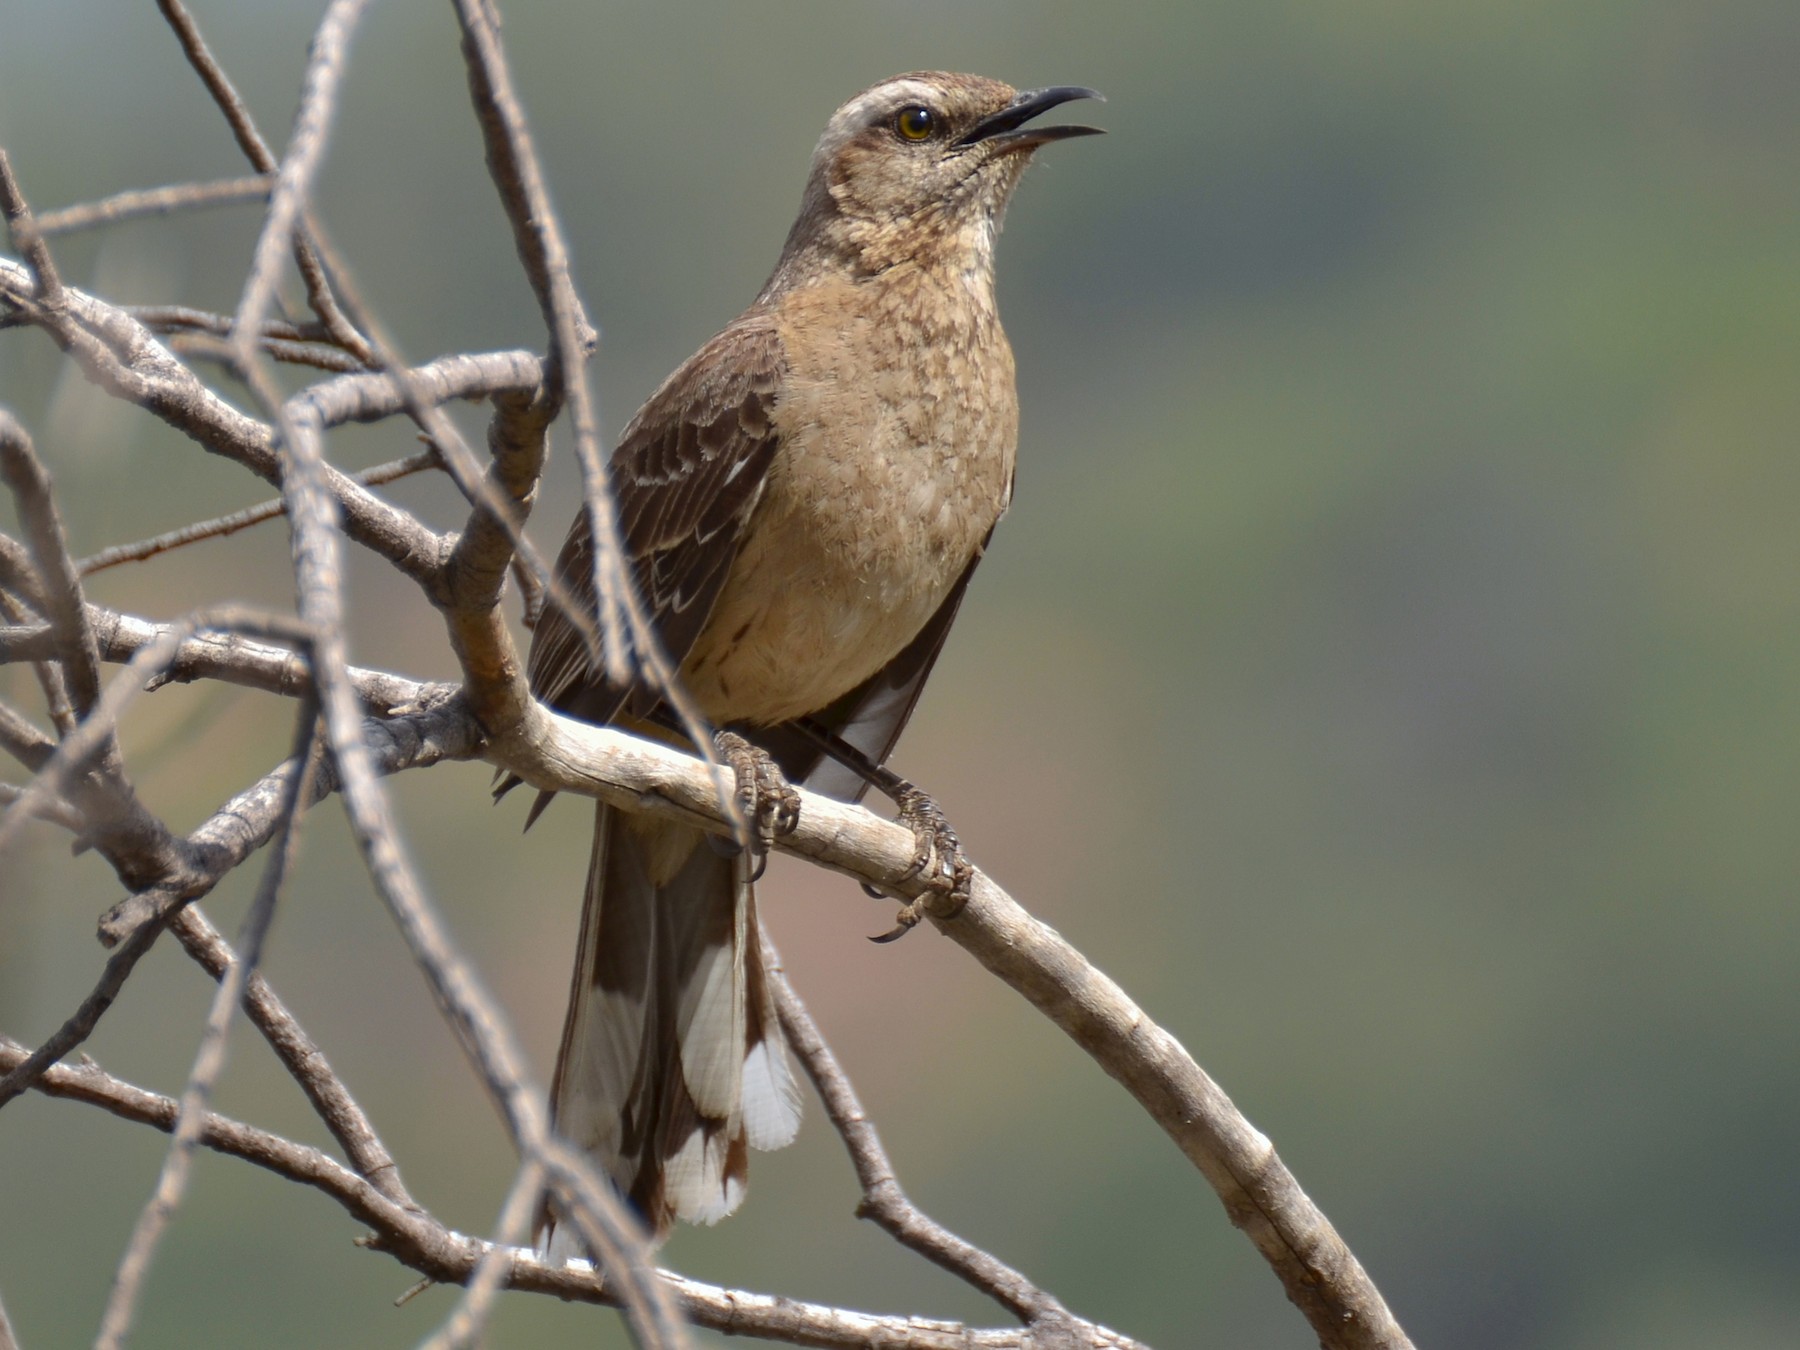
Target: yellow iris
x,y
914,123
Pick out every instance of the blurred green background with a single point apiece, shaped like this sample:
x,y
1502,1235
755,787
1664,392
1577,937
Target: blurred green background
x,y
1389,671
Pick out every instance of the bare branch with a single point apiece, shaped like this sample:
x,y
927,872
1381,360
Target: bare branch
x,y
628,638
294,175
465,1325
138,842
468,587
185,318
24,474
91,748
450,1258
302,1058
82,1022
883,1200
122,356
17,576
157,201
476,570
27,237
209,1060
537,236
22,741
439,727
437,730
222,526
314,354
235,659
56,812
314,271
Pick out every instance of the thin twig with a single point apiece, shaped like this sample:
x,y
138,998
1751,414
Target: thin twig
x,y
24,474
23,741
300,1055
157,201
186,319
294,174
82,1022
222,526
209,1059
537,236
18,579
438,730
234,659
23,581
465,1325
72,685
28,237
97,730
883,1200
446,1257
56,812
316,355
314,272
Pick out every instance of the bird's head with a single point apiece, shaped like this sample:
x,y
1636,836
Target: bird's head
x,y
921,166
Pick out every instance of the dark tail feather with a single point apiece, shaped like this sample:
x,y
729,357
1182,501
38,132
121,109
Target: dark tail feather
x,y
671,1061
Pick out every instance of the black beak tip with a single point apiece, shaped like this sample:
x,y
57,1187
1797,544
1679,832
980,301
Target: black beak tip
x,y
1029,103
1068,93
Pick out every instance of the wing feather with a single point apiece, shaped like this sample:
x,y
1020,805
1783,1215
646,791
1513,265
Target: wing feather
x,y
688,472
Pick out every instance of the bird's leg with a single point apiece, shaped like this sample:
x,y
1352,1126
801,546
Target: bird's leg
x,y
938,857
770,806
938,854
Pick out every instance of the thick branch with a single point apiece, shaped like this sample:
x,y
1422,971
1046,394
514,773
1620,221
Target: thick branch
x,y
1320,1274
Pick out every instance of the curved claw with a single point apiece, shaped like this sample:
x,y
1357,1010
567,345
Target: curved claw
x,y
907,920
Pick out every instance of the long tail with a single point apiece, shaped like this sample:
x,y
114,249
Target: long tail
x,y
672,1063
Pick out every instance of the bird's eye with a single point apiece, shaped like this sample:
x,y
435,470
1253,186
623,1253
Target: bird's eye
x,y
914,123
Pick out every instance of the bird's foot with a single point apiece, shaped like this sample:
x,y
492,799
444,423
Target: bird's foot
x,y
767,801
938,859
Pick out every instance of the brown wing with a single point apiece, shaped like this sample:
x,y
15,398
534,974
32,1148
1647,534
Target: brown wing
x,y
685,478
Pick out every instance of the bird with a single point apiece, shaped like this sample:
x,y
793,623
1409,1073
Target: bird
x,y
801,504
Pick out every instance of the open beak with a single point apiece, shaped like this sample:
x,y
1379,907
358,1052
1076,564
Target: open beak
x,y
1007,131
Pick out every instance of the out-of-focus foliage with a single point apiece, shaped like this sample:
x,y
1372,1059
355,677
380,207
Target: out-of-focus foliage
x,y
1390,670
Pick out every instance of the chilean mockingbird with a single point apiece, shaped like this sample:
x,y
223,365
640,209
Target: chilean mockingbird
x,y
803,503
